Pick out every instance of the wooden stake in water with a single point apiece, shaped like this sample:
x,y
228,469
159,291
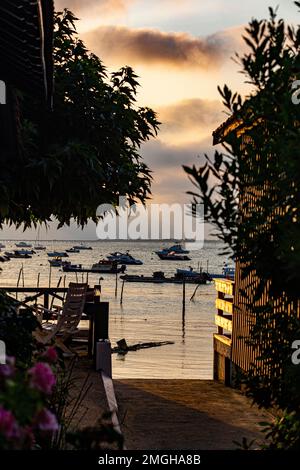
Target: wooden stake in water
x,y
23,279
64,295
116,286
38,280
122,290
76,277
183,297
50,273
197,287
18,282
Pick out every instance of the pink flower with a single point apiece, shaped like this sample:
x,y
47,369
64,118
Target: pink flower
x,y
8,425
7,370
42,378
51,355
46,421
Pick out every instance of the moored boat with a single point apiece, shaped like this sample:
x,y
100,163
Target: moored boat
x,y
17,254
82,247
56,262
57,254
177,248
124,258
73,250
188,272
103,267
23,245
160,278
228,272
39,247
24,252
172,256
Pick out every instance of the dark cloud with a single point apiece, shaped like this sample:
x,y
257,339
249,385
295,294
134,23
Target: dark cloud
x,y
160,156
191,114
152,46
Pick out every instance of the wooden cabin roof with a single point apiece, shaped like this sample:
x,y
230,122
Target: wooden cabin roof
x,y
26,37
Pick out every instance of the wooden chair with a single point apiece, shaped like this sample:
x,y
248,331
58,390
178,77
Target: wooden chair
x,y
67,321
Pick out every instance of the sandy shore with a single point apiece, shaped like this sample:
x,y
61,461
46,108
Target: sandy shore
x,y
172,414
185,414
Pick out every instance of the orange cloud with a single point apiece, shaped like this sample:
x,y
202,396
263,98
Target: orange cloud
x,y
150,46
85,6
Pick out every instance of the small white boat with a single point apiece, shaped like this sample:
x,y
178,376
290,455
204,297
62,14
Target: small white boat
x,y
82,247
177,249
57,254
124,258
23,245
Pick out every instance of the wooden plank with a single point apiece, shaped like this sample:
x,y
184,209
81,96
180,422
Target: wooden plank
x,y
41,290
226,286
224,322
225,305
111,401
222,345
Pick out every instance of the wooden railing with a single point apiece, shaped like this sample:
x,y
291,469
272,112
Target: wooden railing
x,y
223,321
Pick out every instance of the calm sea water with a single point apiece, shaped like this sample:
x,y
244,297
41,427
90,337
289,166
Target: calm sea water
x,y
150,312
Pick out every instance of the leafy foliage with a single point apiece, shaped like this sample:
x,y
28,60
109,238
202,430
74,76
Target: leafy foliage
x,y
16,330
87,151
251,193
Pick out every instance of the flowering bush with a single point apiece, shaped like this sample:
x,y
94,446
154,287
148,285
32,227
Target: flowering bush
x,y
26,422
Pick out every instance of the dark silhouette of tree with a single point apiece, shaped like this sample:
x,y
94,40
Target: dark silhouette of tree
x,y
252,196
87,150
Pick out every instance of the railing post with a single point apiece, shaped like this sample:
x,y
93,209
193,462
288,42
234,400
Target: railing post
x,y
103,357
100,324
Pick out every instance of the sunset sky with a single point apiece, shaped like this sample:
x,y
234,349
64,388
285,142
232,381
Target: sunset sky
x,y
181,50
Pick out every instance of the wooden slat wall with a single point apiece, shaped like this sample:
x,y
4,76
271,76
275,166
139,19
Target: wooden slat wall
x,y
243,354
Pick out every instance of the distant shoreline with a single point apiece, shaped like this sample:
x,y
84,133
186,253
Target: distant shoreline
x,y
104,241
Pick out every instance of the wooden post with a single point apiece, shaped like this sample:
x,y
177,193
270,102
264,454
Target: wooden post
x,y
122,290
76,277
103,357
221,295
38,280
46,300
183,309
100,319
23,279
50,271
64,283
116,286
183,296
18,282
